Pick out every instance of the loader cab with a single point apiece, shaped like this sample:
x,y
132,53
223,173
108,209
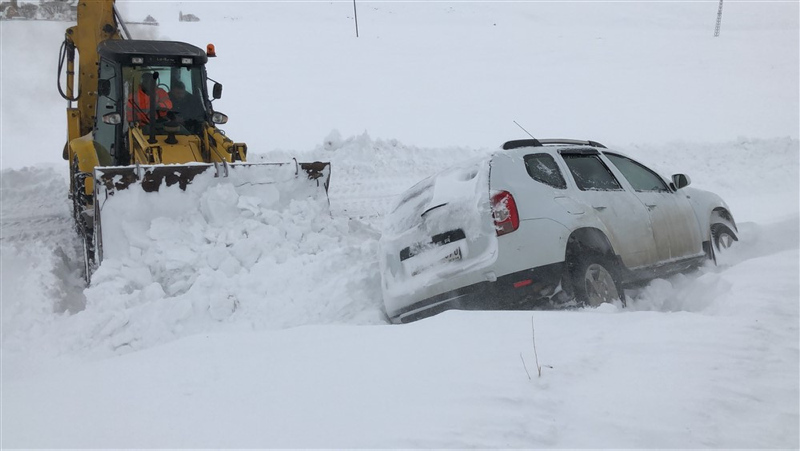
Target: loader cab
x,y
128,71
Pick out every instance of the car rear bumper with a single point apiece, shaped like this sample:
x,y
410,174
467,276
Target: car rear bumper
x,y
520,290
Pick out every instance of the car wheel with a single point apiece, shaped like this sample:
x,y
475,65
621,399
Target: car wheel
x,y
594,282
722,238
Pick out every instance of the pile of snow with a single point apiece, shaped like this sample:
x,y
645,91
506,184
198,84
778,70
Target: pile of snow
x,y
257,245
225,251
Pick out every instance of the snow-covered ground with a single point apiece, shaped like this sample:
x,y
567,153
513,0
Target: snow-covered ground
x,y
249,324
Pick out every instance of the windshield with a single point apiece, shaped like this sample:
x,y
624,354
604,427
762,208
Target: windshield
x,y
177,92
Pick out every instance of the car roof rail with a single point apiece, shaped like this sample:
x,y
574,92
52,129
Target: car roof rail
x,y
517,143
572,142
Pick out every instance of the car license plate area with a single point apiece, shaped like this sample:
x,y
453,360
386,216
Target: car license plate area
x,y
453,256
442,239
439,257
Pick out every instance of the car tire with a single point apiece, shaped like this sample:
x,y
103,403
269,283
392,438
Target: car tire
x,y
594,281
722,238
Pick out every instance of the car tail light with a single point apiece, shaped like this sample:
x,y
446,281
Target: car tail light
x,y
504,212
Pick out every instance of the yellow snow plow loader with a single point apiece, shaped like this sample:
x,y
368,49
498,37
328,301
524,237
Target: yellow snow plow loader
x,y
141,117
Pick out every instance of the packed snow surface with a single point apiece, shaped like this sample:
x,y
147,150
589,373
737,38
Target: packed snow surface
x,y
230,316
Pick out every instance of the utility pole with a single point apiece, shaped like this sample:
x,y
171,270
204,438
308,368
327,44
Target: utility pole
x,y
719,19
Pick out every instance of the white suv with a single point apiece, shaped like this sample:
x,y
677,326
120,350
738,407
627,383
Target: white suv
x,y
543,223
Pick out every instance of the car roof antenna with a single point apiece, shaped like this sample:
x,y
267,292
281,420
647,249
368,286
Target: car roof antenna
x,y
535,141
523,129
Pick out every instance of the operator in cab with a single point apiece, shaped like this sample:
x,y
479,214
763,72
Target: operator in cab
x,y
188,108
139,103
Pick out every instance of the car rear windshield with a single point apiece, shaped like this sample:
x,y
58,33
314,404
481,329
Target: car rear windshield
x,y
444,197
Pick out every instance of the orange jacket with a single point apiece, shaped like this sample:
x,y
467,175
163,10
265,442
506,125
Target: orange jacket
x,y
143,103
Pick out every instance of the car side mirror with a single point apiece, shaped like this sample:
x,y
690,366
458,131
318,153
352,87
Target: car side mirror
x,y
216,93
681,180
104,87
219,118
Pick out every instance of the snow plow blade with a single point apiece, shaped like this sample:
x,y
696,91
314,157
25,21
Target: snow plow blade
x,y
151,178
121,192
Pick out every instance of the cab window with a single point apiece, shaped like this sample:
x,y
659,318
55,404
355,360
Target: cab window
x,y
178,92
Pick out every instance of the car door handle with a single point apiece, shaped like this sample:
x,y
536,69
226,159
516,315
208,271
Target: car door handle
x,y
651,206
598,207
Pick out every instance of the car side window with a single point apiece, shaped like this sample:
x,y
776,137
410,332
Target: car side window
x,y
590,173
640,178
543,168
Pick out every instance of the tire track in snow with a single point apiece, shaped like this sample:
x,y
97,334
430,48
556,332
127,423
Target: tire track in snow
x,y
41,270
